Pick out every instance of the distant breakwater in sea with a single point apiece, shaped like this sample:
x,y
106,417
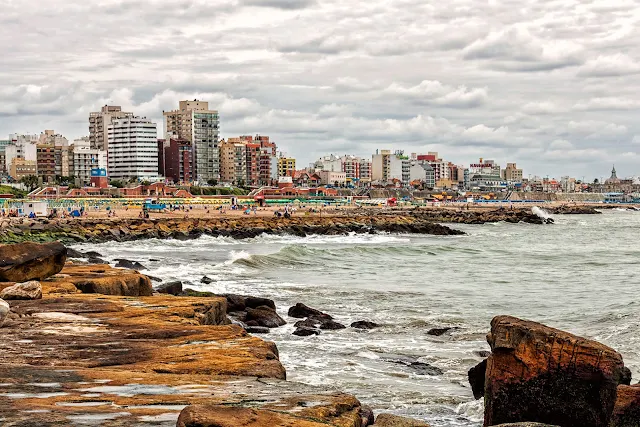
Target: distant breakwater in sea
x,y
359,221
101,230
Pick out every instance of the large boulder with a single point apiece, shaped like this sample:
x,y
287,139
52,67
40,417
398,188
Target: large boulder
x,y
31,261
389,420
4,311
23,291
264,316
537,373
132,265
300,311
626,413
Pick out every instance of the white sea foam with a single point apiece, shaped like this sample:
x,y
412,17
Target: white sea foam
x,y
540,212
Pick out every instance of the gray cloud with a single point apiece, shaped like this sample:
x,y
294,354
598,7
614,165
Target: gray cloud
x,y
547,84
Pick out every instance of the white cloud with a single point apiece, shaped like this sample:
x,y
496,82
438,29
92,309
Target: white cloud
x,y
610,66
434,92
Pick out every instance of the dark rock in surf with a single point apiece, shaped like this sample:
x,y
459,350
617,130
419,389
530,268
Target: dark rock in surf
x,y
301,311
305,332
125,263
437,332
173,288
421,368
242,302
264,316
206,280
257,329
72,253
476,378
367,416
364,324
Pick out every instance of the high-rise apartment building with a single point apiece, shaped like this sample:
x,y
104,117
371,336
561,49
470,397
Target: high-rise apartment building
x,y
99,125
132,148
22,146
233,161
175,160
46,162
194,122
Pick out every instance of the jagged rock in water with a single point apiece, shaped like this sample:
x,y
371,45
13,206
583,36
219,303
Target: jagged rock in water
x,y
300,311
264,316
476,378
537,373
304,331
125,263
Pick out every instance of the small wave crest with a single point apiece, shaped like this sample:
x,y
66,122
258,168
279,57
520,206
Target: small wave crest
x,y
540,212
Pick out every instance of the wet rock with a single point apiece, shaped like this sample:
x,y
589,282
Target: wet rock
x,y
626,412
173,288
188,292
364,324
93,254
4,311
482,353
476,379
301,311
304,331
421,368
264,316
93,260
22,291
206,280
319,322
388,420
440,331
331,325
257,329
125,263
626,376
31,261
72,253
537,373
242,302
154,279
368,418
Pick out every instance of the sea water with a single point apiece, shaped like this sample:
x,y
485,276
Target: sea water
x,y
581,274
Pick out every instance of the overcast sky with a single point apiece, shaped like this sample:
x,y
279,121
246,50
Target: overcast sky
x,y
551,85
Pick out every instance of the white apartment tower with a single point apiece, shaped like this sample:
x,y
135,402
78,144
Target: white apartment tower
x,y
132,148
194,122
99,125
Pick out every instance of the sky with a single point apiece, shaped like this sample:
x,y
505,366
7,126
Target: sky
x,y
553,85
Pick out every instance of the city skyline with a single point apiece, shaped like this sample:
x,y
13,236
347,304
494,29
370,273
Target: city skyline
x,y
538,86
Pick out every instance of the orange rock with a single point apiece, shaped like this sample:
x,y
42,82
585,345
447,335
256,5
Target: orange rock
x,y
103,279
627,410
31,261
537,373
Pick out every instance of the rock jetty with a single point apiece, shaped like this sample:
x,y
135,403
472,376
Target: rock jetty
x,y
120,229
539,374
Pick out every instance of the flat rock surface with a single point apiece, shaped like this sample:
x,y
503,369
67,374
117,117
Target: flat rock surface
x,y
119,361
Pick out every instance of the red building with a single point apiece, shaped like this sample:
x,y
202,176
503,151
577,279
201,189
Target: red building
x,y
175,160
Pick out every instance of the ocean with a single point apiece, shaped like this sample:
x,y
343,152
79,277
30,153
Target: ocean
x,y
581,274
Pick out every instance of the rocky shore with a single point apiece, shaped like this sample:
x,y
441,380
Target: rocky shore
x,y
90,343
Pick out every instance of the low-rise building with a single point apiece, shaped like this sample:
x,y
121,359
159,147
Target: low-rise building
x,y
286,165
337,179
19,168
85,159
